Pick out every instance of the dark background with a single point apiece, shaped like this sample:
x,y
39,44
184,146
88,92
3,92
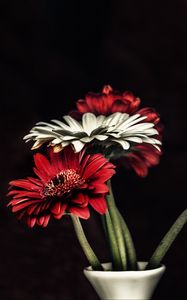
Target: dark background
x,y
52,53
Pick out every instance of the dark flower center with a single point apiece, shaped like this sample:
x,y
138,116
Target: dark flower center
x,y
62,183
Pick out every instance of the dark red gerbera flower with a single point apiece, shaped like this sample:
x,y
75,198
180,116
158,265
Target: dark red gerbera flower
x,y
140,159
109,101
67,183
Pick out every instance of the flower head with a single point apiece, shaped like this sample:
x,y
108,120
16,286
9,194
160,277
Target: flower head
x,y
141,157
68,182
117,129
107,103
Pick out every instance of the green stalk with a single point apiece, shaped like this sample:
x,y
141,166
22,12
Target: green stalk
x,y
131,252
92,258
117,227
111,238
167,241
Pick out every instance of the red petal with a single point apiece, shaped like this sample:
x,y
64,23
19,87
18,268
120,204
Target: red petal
x,y
70,158
25,184
82,212
81,200
35,181
103,175
119,106
150,113
82,106
23,205
83,163
41,175
46,220
91,102
56,208
56,161
40,220
31,222
20,194
96,162
61,212
138,165
17,201
31,209
99,204
44,168
100,188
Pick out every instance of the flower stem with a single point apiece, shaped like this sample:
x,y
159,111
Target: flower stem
x,y
117,227
111,238
167,241
92,258
131,252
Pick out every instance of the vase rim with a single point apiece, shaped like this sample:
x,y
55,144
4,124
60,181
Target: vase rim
x,y
141,264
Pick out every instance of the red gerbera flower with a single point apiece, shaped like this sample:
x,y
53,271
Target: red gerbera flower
x,y
140,159
67,183
109,101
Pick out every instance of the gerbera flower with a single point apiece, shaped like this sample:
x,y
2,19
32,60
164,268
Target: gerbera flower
x,y
67,183
107,103
118,128
141,157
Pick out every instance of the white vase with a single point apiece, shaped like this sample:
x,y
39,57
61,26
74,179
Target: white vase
x,y
126,285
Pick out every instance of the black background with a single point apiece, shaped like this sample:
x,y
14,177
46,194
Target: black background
x,y
52,53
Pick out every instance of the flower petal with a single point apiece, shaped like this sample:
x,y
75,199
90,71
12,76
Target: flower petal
x,y
89,122
81,212
82,106
99,204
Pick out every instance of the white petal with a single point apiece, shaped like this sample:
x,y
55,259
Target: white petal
x,y
87,139
37,144
157,147
68,138
115,119
151,131
29,136
47,125
43,136
151,141
64,144
61,125
77,146
100,120
131,121
74,125
56,141
115,135
124,144
101,137
134,139
89,122
139,128
157,141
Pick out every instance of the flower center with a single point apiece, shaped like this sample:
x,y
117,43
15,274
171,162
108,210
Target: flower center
x,y
62,183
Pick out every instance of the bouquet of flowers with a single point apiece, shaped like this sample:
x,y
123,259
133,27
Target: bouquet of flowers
x,y
78,157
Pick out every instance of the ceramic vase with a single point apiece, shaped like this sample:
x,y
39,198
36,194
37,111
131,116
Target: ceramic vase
x,y
126,285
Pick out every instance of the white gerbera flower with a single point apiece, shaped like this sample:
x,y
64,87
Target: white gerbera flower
x,y
118,128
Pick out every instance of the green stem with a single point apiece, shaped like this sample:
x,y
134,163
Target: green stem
x,y
92,258
167,241
131,252
117,227
111,238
